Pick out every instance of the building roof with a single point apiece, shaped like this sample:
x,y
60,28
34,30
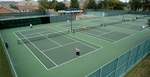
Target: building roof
x,y
11,9
8,2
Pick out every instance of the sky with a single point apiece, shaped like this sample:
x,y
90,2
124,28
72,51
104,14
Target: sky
x,y
57,0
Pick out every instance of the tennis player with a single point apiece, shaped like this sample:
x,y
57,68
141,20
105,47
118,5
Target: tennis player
x,y
124,20
73,30
30,25
143,27
77,52
84,28
146,15
117,17
133,19
68,21
130,19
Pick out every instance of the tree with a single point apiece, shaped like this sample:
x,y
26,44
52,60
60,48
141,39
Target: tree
x,y
75,4
85,4
60,6
103,6
53,4
40,8
99,5
146,5
91,4
128,6
148,23
43,2
135,4
118,6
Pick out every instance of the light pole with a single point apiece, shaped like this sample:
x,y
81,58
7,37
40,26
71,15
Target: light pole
x,y
71,16
124,11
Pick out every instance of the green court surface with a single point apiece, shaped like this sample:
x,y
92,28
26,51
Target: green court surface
x,y
136,25
54,48
49,50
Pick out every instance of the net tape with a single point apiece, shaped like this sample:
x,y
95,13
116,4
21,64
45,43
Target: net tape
x,y
41,37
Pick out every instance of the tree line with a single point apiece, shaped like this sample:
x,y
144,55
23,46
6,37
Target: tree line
x,y
91,4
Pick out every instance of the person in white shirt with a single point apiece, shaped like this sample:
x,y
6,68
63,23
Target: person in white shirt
x,y
143,27
30,25
68,21
77,51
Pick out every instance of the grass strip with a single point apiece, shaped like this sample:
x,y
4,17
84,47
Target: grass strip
x,y
142,69
4,66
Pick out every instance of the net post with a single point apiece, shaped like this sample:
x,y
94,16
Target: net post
x,y
18,42
101,25
68,31
46,35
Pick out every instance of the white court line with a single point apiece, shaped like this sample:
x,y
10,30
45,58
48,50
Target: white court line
x,y
31,37
95,37
126,28
124,38
78,41
30,30
144,30
106,33
82,43
58,46
87,41
119,31
39,50
32,52
47,29
129,26
134,30
74,59
92,37
36,32
97,30
80,56
50,39
98,36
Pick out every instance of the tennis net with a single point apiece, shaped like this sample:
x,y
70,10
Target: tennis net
x,y
87,28
41,37
111,23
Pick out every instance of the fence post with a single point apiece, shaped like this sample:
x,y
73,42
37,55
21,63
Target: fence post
x,y
144,48
137,53
128,59
100,72
117,66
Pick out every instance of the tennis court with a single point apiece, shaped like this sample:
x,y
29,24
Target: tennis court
x,y
47,47
48,50
136,25
104,20
99,32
